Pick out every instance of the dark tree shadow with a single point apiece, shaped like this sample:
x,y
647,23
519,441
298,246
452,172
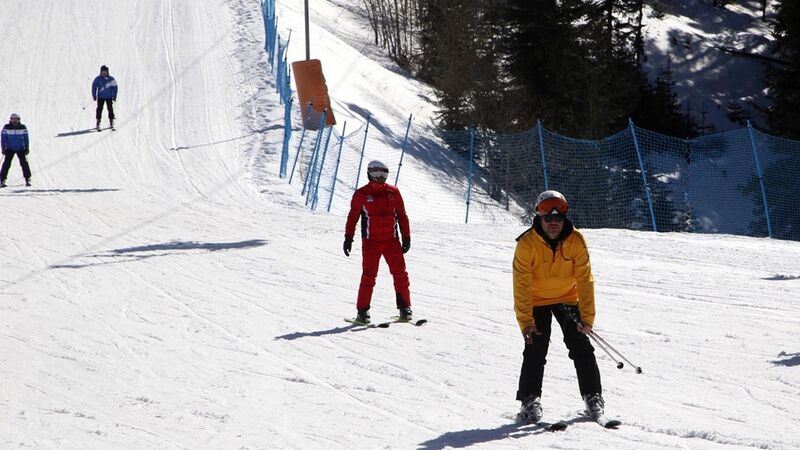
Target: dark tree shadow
x,y
792,359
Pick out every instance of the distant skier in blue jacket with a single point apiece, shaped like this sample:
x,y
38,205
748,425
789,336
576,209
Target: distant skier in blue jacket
x,y
14,141
104,90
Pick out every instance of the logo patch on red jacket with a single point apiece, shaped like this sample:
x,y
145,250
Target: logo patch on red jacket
x,y
370,199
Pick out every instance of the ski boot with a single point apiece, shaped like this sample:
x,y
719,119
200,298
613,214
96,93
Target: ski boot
x,y
362,316
594,405
405,314
531,410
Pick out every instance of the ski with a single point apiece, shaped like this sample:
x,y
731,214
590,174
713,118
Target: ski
x,y
547,426
608,423
367,324
552,427
416,323
603,421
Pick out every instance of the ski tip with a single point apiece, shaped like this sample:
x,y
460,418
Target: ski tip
x,y
558,426
421,322
612,424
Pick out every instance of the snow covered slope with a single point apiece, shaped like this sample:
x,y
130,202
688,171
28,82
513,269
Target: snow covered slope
x,y
160,287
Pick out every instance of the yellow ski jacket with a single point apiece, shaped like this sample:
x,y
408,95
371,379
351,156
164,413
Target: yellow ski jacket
x,y
543,276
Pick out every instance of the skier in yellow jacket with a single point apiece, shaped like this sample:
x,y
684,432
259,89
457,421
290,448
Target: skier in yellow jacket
x,y
553,277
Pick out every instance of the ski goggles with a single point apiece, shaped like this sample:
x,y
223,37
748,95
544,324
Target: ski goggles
x,y
552,206
552,218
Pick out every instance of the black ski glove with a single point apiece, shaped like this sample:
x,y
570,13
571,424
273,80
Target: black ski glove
x,y
406,244
348,245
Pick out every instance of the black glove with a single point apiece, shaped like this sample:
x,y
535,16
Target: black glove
x,y
113,99
4,151
406,244
27,151
348,245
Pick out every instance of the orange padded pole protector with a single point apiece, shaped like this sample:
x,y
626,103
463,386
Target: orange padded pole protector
x,y
312,90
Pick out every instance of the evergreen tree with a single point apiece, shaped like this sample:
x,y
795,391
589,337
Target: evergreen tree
x,y
783,80
658,108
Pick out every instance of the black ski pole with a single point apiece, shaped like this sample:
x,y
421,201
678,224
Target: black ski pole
x,y
600,339
620,365
605,346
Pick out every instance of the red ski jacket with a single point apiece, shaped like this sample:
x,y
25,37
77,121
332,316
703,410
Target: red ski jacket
x,y
381,209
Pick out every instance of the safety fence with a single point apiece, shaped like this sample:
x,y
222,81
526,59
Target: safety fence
x,y
275,48
738,182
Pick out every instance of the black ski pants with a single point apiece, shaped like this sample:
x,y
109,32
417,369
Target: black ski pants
x,y
99,112
23,162
581,353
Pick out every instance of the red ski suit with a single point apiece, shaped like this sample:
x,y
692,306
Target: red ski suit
x,y
381,209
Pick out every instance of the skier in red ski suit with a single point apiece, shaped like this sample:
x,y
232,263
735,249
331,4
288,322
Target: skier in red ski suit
x,y
380,208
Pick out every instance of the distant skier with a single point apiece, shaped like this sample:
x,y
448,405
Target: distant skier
x,y
553,277
104,91
381,209
14,141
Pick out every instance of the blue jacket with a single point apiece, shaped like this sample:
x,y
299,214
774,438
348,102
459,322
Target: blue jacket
x,y
104,87
14,138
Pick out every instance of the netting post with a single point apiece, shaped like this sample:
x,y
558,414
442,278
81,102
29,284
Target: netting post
x,y
402,150
297,154
287,136
313,162
318,178
363,147
541,148
760,178
469,170
336,170
644,173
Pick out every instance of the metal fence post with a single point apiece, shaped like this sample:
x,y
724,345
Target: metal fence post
x,y
336,170
363,146
644,173
402,150
539,130
287,136
297,154
313,161
760,178
321,167
469,170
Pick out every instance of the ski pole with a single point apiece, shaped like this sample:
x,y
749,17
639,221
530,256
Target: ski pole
x,y
599,339
620,365
605,346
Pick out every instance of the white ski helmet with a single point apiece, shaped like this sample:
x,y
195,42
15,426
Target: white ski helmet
x,y
551,202
377,171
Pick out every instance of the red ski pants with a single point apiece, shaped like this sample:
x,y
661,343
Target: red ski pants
x,y
371,257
